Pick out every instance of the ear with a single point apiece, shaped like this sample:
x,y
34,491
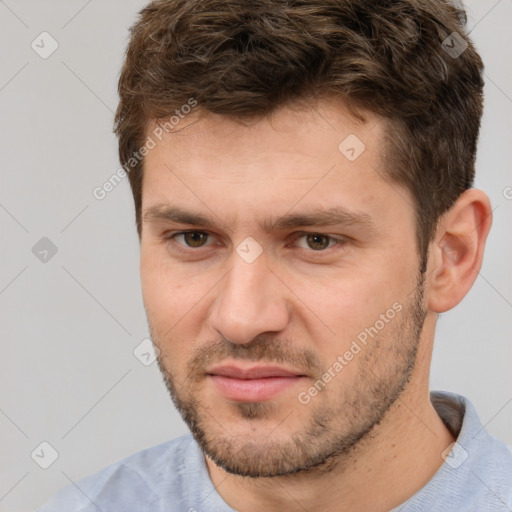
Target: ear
x,y
456,254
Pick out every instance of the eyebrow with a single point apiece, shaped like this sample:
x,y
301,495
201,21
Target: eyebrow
x,y
317,217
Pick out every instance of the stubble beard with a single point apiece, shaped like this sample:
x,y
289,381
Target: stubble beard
x,y
334,428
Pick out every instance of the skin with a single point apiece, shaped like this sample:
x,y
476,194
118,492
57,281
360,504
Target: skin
x,y
371,438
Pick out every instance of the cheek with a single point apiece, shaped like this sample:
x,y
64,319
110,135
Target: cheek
x,y
168,310
163,292
175,299
347,304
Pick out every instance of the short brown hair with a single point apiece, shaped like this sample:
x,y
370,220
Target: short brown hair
x,y
246,58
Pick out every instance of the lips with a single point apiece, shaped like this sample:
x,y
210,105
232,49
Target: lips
x,y
258,372
252,384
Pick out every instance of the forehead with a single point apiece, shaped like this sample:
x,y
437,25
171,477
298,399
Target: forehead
x,y
301,131
298,158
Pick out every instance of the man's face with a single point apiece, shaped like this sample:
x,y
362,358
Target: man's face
x,y
289,314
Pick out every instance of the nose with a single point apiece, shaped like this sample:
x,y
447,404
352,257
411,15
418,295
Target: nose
x,y
250,301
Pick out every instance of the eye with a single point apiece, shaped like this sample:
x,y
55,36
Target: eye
x,y
193,239
316,241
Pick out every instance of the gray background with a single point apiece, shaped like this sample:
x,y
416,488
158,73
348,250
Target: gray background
x,y
69,325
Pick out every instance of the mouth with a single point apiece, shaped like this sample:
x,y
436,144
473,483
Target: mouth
x,y
252,384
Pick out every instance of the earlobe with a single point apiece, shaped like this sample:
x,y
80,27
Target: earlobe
x,y
456,253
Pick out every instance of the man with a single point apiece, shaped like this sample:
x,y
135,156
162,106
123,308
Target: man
x,y
302,175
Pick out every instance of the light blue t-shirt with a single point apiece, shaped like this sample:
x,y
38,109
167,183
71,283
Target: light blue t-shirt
x,y
172,477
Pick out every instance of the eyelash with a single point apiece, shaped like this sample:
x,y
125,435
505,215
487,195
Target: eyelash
x,y
187,249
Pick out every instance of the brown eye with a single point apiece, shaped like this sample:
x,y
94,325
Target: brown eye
x,y
317,242
195,238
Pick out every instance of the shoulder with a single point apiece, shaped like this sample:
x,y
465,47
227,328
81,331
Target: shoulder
x,y
477,472
138,482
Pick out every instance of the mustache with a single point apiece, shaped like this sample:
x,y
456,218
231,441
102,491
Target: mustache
x,y
263,348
